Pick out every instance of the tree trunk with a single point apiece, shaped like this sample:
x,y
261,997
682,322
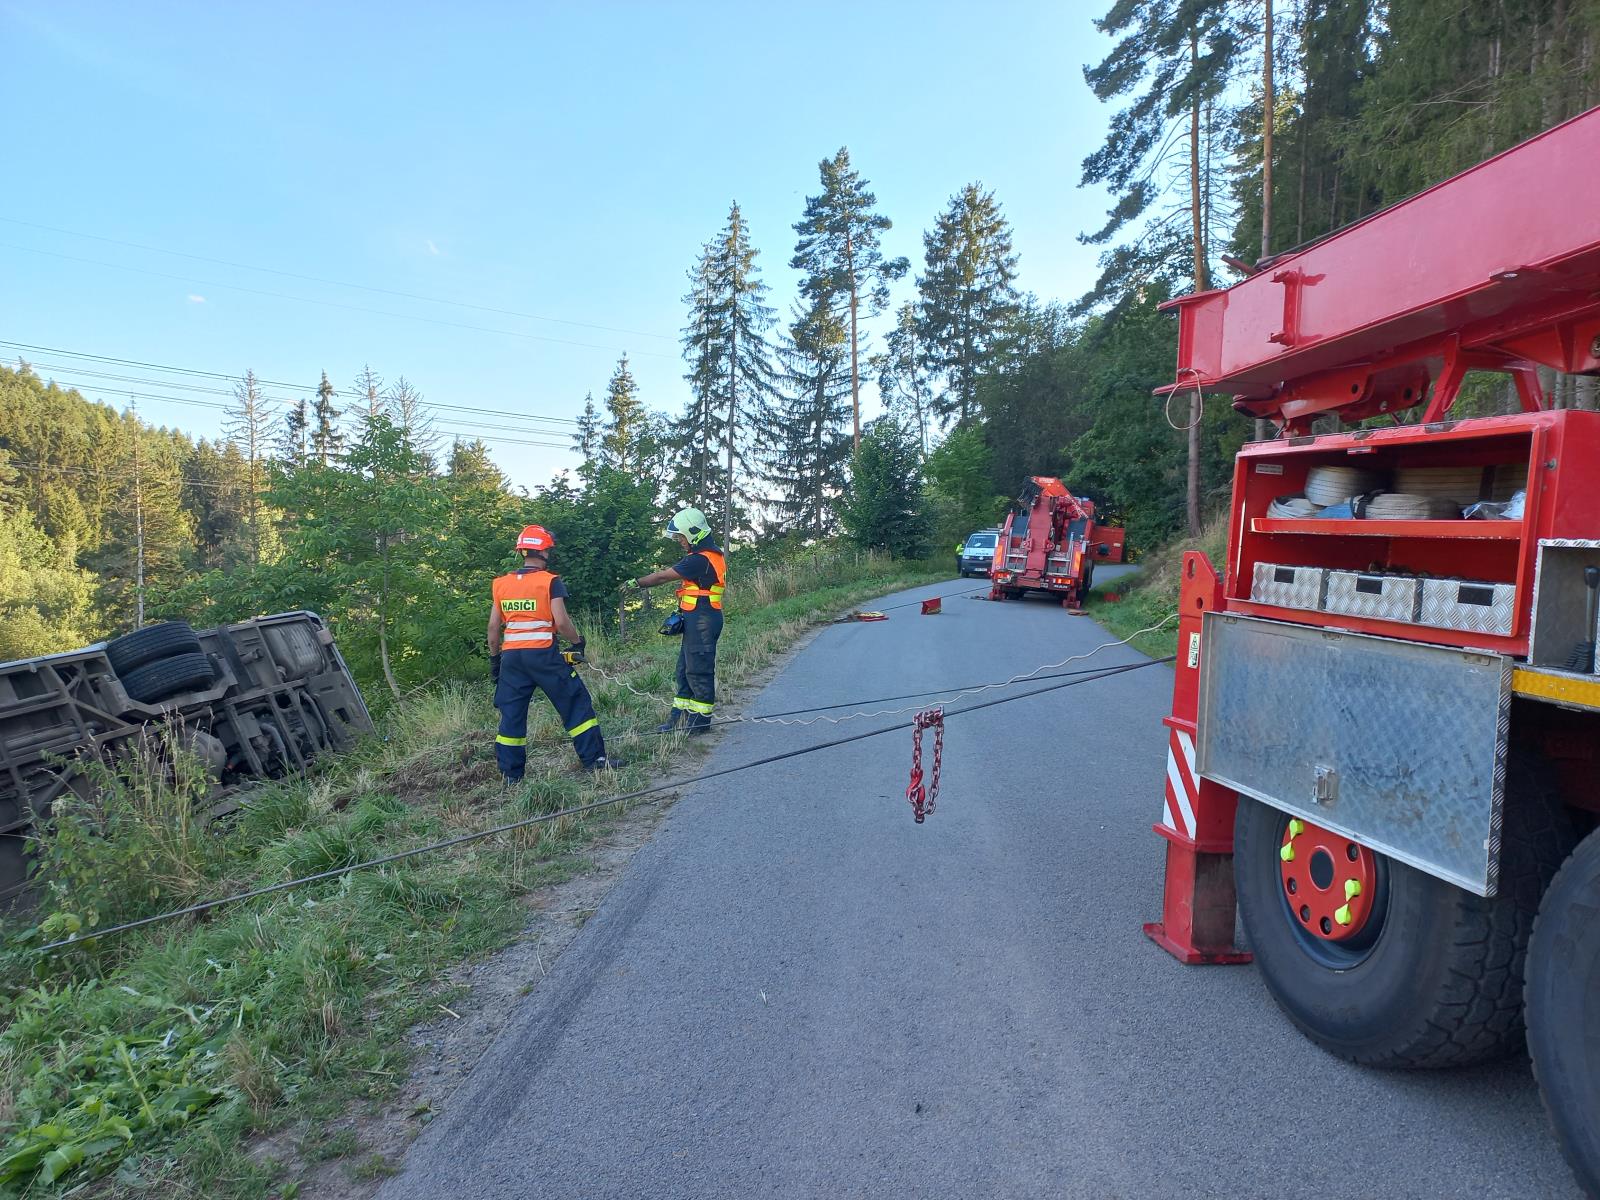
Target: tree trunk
x,y
855,379
383,626
1268,102
1201,283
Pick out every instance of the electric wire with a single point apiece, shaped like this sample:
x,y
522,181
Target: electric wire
x,y
360,287
576,810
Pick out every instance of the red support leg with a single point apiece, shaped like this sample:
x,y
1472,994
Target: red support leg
x,y
1197,902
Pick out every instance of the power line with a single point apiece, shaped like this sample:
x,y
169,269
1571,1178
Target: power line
x,y
362,287
380,312
234,379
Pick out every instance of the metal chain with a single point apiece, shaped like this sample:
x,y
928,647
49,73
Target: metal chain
x,y
922,798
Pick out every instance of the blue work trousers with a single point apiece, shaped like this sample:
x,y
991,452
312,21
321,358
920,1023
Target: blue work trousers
x,y
523,671
697,664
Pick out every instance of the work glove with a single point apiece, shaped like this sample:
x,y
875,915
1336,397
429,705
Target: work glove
x,y
573,654
494,668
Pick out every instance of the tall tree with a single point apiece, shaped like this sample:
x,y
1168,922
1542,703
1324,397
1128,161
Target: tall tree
x,y
901,379
246,426
587,440
1176,59
731,375
802,434
368,392
404,403
839,250
294,440
884,508
625,417
327,439
967,294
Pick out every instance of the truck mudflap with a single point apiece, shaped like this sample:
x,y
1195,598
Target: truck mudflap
x,y
1399,745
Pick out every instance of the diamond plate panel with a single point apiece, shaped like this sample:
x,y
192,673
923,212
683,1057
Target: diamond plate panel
x,y
1465,604
1385,597
1397,745
1292,587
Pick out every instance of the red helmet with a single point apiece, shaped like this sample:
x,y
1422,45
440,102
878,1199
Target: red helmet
x,y
535,537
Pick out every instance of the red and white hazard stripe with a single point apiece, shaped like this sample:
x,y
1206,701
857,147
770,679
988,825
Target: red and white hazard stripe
x,y
1183,786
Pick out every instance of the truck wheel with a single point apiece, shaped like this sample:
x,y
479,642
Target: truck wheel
x,y
1402,969
133,650
1563,1020
168,676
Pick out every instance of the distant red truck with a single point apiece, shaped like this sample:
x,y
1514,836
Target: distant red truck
x,y
1049,542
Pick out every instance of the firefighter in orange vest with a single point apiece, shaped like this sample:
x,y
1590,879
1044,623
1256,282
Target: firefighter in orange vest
x,y
529,609
701,576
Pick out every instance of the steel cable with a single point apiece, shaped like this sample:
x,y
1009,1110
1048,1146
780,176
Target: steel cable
x,y
576,810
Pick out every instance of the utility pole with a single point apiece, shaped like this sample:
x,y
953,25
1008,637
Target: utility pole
x,y
138,520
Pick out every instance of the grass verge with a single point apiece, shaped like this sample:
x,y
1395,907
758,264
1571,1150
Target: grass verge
x,y
154,1064
1134,602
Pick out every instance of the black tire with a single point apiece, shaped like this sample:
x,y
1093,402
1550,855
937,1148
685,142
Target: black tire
x,y
1563,1018
168,676
1436,980
166,640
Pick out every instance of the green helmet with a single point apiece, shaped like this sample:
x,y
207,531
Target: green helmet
x,y
690,523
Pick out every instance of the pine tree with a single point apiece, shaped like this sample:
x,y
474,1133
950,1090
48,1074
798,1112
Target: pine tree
x,y
1177,58
625,416
697,435
587,440
846,274
805,447
967,295
327,440
247,422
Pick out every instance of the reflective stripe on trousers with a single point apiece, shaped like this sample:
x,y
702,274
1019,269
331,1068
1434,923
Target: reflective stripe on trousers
x,y
522,672
697,662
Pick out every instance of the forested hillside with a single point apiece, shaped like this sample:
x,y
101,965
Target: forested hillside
x,y
1224,145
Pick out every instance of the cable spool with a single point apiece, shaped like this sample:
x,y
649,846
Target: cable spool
x,y
1399,506
1326,486
1460,485
1292,507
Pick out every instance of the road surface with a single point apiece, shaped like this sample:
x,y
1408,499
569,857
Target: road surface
x,y
795,990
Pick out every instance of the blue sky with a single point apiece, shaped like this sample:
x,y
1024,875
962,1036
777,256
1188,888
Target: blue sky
x,y
559,161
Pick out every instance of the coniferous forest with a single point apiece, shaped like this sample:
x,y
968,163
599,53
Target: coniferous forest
x,y
1236,130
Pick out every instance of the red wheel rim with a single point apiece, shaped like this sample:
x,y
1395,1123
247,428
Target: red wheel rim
x,y
1328,880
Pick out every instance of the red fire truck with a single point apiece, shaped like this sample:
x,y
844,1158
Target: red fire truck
x,y
1049,543
1384,744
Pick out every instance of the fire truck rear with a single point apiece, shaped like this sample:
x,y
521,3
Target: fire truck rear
x,y
1385,736
1049,543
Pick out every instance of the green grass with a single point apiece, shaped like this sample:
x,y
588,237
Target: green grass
x,y
152,1062
1145,599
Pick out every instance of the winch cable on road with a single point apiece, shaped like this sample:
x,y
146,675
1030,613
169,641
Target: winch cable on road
x,y
574,811
949,694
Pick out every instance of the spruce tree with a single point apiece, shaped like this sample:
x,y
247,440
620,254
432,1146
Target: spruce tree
x,y
247,422
625,417
697,435
404,404
587,440
805,446
327,440
967,296
839,250
294,440
731,373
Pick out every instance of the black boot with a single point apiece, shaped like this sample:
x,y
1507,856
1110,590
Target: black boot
x,y
605,763
671,724
698,723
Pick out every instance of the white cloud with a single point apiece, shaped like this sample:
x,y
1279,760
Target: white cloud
x,y
432,249
194,299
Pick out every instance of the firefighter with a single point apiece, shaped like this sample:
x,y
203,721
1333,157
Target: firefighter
x,y
529,609
701,576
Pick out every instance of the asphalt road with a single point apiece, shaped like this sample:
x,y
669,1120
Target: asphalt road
x,y
796,991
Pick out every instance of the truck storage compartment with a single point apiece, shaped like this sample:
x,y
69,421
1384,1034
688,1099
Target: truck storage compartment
x,y
1468,605
1291,587
1384,597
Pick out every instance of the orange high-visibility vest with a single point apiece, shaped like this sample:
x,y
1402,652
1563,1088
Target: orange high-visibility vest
x,y
689,594
523,598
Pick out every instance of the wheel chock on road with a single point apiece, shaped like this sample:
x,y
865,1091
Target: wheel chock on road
x,y
931,607
859,615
